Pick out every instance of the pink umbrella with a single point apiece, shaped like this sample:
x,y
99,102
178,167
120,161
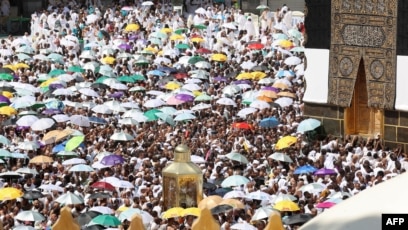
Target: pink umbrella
x,y
326,204
174,101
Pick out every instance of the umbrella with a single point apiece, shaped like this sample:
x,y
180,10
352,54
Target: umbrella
x,y
203,97
226,101
80,120
51,187
42,124
286,206
99,195
219,57
85,218
128,213
103,185
324,171
10,174
293,60
243,226
102,209
305,169
285,142
270,122
210,202
255,46
222,208
69,198
313,187
234,194
282,197
191,212
281,157
28,145
325,204
258,195
242,125
154,103
41,159
10,193
200,106
74,161
262,7
74,142
173,212
262,213
29,216
26,170
184,117
112,160
233,181
308,125
106,220
122,136
296,219
81,168
237,157
258,104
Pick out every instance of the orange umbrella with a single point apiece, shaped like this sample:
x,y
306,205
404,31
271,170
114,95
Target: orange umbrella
x,y
210,202
236,204
242,125
264,98
280,85
286,94
268,93
41,160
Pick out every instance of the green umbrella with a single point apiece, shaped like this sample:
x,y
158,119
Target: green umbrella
x,y
146,52
237,157
156,41
158,34
203,97
74,142
106,220
166,118
23,56
101,79
6,76
126,79
195,59
4,153
142,62
200,27
151,114
56,72
76,69
38,105
5,141
182,46
181,31
56,57
138,77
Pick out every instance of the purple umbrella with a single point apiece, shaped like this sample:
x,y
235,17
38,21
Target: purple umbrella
x,y
125,46
112,160
220,79
270,88
184,97
133,37
56,86
116,95
324,171
242,82
51,111
4,99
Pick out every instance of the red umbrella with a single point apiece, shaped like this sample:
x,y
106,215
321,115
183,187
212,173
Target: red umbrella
x,y
180,75
103,185
196,36
203,51
326,204
256,46
242,125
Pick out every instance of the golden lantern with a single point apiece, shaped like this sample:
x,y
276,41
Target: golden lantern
x,y
182,181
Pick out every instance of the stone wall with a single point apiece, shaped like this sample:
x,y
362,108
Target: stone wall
x,y
332,117
396,129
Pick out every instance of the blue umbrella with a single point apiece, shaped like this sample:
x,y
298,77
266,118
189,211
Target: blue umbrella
x,y
166,69
58,148
156,73
97,120
308,125
305,169
270,122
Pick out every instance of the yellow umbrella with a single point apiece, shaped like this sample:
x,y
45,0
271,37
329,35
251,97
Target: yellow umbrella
x,y
285,142
197,93
7,94
7,110
286,206
173,212
151,49
268,93
258,75
191,212
175,37
197,39
41,159
280,85
172,85
132,27
219,57
244,76
166,30
48,82
122,208
286,94
285,44
236,204
10,193
54,136
9,67
264,98
108,60
210,202
21,66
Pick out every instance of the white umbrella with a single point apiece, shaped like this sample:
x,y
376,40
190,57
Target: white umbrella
x,y
200,11
51,187
119,86
246,111
42,124
293,60
80,120
234,194
262,213
40,57
184,117
29,216
197,159
154,103
130,105
281,157
28,145
284,101
26,170
258,104
248,65
81,168
191,87
313,187
266,81
123,184
60,118
147,3
102,109
74,161
27,120
201,106
63,91
155,92
203,65
243,226
258,195
69,198
102,209
282,197
89,92
99,165
128,121
231,89
226,101
122,136
135,114
193,81
66,78
91,66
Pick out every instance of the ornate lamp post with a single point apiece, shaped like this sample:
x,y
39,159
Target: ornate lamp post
x,y
182,181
